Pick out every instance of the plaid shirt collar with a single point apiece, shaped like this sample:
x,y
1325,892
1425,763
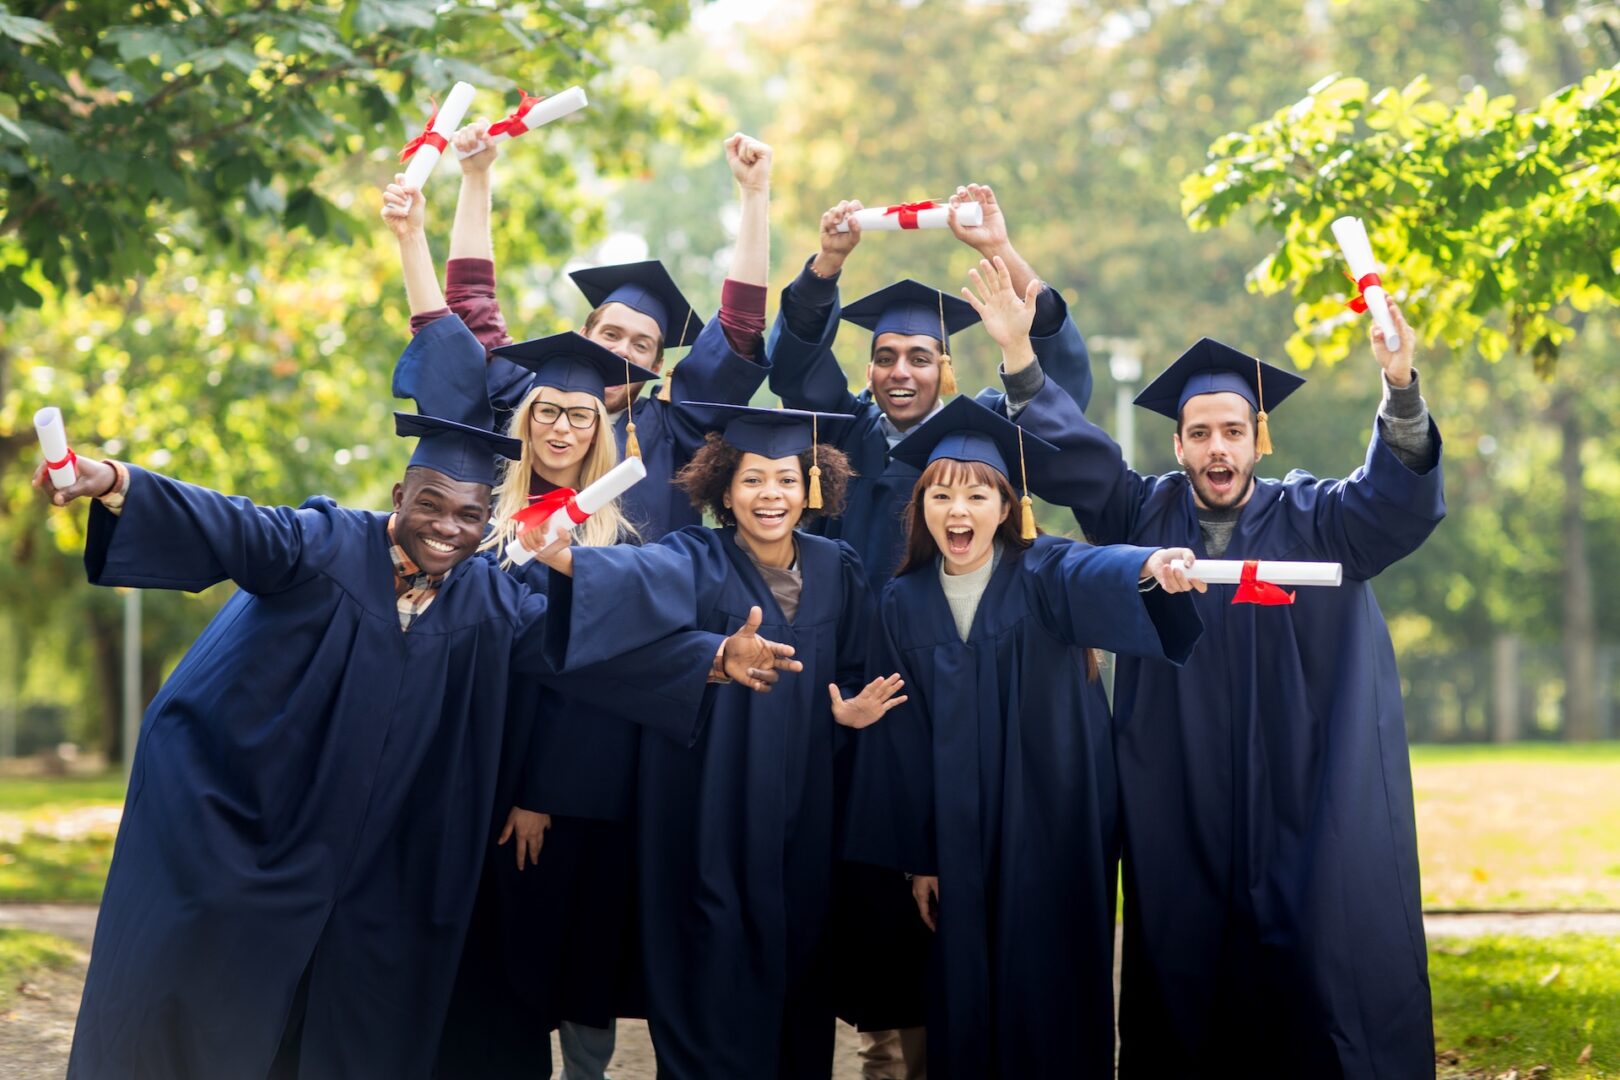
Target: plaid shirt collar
x,y
420,587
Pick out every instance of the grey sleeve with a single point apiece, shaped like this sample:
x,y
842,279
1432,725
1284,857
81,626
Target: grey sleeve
x,y
1403,423
1022,386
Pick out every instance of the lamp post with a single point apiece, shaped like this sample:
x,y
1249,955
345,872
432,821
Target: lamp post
x,y
1125,365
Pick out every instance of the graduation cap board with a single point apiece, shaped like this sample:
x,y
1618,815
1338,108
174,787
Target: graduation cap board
x,y
573,362
910,307
770,433
964,430
1210,367
645,287
443,370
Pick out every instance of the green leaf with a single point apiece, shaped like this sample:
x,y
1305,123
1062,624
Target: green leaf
x,y
12,131
26,31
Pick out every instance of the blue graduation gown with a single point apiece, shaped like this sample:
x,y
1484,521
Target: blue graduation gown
x,y
806,375
998,776
1271,871
310,796
710,371
736,832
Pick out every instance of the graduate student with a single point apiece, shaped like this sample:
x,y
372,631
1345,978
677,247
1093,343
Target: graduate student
x,y
736,831
554,927
305,822
995,785
1271,875
638,313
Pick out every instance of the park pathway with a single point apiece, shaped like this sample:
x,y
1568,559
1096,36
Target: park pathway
x,y
36,1033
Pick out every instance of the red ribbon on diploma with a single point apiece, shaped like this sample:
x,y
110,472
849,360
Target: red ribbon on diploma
x,y
71,459
513,125
908,212
429,137
539,512
1251,590
1358,303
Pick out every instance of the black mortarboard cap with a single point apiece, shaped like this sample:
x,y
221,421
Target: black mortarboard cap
x,y
645,287
443,370
573,362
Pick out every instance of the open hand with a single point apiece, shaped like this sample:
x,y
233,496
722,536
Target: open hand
x,y
1007,316
403,208
867,707
754,661
530,829
925,890
1170,579
96,478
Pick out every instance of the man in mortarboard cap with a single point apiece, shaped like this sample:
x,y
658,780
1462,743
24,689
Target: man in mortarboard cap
x,y
1271,876
909,371
302,838
637,313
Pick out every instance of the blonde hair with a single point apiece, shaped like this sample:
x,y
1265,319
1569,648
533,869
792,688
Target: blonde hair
x,y
607,526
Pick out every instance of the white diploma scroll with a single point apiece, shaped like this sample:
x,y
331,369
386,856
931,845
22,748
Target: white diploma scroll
x,y
445,123
613,483
1230,572
923,215
53,440
540,111
1352,237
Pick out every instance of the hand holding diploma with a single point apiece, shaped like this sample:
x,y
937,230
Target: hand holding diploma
x,y
558,512
59,458
1352,237
531,112
926,214
95,479
1172,570
1260,581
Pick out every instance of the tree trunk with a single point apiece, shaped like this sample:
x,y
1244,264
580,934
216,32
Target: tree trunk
x,y
1580,625
1505,688
106,644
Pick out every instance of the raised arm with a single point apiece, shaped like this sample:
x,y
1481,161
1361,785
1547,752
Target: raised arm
x,y
404,211
1053,334
804,372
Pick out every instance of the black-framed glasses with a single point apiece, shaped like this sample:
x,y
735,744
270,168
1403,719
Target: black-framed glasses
x,y
579,417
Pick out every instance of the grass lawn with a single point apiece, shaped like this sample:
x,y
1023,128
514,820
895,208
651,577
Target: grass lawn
x,y
56,837
1510,1003
23,952
1532,825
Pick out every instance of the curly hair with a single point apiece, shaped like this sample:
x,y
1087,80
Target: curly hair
x,y
707,478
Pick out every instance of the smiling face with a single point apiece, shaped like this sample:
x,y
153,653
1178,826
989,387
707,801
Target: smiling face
x,y
766,496
1215,445
558,447
439,521
963,511
624,331
904,374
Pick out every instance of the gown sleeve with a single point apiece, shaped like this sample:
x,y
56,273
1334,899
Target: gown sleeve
x,y
889,814
805,373
1061,352
1377,515
1088,596
173,535
712,371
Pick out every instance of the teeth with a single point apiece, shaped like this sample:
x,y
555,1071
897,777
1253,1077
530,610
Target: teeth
x,y
437,545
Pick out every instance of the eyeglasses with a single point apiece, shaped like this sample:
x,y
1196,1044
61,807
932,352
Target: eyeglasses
x,y
546,414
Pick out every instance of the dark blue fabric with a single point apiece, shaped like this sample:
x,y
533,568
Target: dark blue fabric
x,y
1271,872
806,375
711,371
311,792
736,833
998,776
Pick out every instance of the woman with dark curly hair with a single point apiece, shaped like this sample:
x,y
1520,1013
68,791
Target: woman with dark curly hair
x,y
737,829
994,788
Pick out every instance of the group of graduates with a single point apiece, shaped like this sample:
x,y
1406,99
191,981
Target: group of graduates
x,y
414,799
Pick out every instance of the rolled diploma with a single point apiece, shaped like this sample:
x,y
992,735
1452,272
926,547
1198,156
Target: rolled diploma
x,y
878,219
1352,237
609,486
449,119
53,440
1230,572
552,108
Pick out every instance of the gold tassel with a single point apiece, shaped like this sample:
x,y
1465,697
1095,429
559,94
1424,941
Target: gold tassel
x,y
815,464
1028,530
663,390
632,445
815,487
947,376
1262,435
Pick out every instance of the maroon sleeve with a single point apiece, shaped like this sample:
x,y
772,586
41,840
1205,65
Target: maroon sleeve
x,y
423,318
742,317
469,288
